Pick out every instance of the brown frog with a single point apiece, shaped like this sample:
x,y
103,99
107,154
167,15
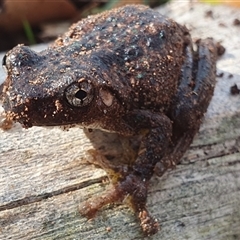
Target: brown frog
x,y
129,71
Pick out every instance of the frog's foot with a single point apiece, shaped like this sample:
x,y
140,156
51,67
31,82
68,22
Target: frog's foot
x,y
90,207
149,225
132,188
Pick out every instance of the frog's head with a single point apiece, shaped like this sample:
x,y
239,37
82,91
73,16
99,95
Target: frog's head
x,y
51,88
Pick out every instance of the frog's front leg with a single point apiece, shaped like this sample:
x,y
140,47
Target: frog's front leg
x,y
156,131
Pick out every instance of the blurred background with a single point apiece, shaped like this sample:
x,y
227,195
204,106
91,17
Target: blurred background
x,y
41,21
38,21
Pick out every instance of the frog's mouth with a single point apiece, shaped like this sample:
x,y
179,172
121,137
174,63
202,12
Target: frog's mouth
x,y
47,111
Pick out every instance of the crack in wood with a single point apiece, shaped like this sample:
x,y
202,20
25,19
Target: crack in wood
x,y
215,150
38,198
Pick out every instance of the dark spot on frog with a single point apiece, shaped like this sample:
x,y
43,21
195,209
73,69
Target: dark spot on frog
x,y
129,72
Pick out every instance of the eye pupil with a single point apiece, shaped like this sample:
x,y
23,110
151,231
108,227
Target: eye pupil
x,y
81,95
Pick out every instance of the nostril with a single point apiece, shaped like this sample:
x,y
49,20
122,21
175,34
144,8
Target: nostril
x,y
4,62
20,56
23,56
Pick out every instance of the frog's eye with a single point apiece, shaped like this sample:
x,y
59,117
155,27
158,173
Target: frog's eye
x,y
79,94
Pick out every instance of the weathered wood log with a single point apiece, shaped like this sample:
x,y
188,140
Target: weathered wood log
x,y
44,175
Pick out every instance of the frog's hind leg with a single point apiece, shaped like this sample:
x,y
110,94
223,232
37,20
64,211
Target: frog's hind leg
x,y
196,87
194,95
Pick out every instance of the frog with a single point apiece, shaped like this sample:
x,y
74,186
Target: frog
x,y
129,71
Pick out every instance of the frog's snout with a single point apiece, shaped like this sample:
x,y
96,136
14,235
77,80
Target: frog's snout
x,y
19,57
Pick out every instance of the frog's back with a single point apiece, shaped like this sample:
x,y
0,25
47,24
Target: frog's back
x,y
121,27
141,53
